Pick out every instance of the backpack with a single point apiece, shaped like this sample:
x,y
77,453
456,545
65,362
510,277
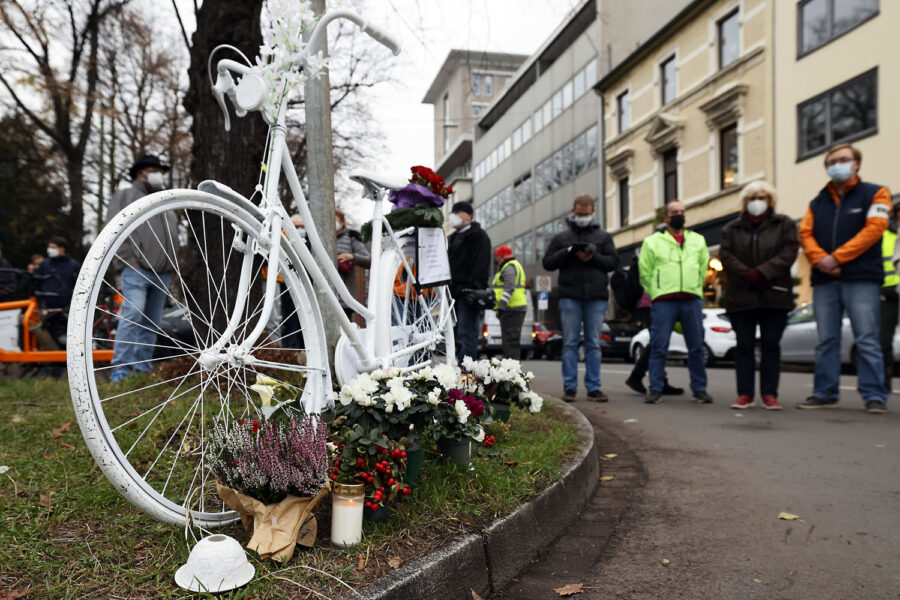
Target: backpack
x,y
626,286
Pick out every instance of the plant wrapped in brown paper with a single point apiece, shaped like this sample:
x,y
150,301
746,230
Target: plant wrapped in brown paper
x,y
273,473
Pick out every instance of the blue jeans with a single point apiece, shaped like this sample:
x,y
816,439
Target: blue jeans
x,y
861,300
665,313
468,329
145,295
573,313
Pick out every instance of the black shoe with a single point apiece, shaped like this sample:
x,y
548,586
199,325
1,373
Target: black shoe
x,y
816,402
703,397
653,398
569,395
636,385
597,396
670,390
876,407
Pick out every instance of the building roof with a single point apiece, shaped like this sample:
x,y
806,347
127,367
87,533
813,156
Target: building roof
x,y
478,59
562,37
657,39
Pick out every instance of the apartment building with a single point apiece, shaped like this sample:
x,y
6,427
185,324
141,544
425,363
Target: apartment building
x,y
687,117
465,85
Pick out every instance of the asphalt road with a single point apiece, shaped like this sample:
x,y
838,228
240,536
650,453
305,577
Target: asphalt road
x,y
716,479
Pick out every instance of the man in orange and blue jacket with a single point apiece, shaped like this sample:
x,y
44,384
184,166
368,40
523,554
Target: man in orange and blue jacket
x,y
841,234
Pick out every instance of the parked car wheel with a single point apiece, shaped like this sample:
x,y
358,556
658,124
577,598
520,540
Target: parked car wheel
x,y
638,351
709,359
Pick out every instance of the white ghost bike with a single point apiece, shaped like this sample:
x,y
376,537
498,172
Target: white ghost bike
x,y
247,295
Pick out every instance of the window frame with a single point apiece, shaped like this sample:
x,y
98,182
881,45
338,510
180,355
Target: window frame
x,y
624,202
800,51
826,96
476,84
665,174
662,80
488,85
623,126
722,133
719,24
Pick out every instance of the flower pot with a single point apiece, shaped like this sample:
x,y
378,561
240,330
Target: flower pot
x,y
459,451
501,410
380,514
415,456
347,514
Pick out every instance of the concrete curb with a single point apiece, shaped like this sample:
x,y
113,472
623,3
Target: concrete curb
x,y
486,563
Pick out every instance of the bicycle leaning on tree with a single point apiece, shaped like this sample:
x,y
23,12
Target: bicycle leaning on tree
x,y
148,433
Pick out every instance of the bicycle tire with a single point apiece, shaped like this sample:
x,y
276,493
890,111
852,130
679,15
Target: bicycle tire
x,y
151,447
409,324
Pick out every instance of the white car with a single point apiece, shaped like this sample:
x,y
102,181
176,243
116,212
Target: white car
x,y
718,339
798,343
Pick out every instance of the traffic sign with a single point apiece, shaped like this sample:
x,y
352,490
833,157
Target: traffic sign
x,y
543,283
543,300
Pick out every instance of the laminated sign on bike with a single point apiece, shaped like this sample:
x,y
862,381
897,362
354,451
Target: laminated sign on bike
x,y
149,433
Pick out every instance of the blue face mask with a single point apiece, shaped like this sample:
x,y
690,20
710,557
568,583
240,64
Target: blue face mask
x,y
840,171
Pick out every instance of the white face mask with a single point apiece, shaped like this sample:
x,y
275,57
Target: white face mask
x,y
52,252
156,181
757,207
454,220
582,220
338,225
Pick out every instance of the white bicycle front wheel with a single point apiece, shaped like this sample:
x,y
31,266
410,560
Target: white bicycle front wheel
x,y
421,322
149,431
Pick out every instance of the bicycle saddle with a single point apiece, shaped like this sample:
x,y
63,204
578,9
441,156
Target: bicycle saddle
x,y
367,179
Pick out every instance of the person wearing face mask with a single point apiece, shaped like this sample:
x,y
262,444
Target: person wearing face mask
x,y
841,234
56,276
584,254
351,252
672,265
757,251
145,261
469,252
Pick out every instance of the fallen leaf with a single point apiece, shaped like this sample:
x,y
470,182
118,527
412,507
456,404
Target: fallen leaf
x,y
609,456
510,463
48,456
64,427
15,594
395,561
607,478
17,418
43,500
475,596
786,516
65,445
665,562
569,590
757,581
361,563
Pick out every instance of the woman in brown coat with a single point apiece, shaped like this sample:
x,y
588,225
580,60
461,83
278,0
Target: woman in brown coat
x,y
757,251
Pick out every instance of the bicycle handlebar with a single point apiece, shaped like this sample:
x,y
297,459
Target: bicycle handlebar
x,y
376,33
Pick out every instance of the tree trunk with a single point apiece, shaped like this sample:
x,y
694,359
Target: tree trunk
x,y
234,157
75,227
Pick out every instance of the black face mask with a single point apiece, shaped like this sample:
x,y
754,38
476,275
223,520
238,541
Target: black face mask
x,y
676,222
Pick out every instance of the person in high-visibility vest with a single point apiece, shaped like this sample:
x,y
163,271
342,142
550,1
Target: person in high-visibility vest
x,y
511,303
889,302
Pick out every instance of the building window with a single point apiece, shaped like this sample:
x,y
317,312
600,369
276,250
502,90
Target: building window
x,y
820,21
592,152
446,122
548,116
729,39
623,107
548,175
538,180
590,74
567,95
558,169
670,175
667,74
580,154
569,162
476,85
526,130
488,85
523,192
728,155
845,113
538,120
516,139
476,110
624,202
557,103
578,82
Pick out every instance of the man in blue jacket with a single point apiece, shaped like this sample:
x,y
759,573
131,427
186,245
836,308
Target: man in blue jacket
x,y
584,253
55,280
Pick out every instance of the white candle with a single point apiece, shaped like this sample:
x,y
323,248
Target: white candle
x,y
346,520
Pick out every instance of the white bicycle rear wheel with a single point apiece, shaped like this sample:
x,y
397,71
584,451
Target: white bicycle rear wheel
x,y
149,432
423,319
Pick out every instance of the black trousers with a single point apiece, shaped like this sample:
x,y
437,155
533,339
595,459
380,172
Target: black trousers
x,y
510,331
889,307
771,324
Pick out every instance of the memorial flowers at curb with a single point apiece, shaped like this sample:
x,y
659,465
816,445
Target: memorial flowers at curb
x,y
503,381
382,400
365,455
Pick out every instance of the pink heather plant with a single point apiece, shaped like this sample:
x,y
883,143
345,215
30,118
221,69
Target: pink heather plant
x,y
269,460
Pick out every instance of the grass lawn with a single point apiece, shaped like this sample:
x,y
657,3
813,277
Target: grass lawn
x,y
67,534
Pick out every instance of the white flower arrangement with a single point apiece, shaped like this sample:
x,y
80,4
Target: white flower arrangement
x,y
502,380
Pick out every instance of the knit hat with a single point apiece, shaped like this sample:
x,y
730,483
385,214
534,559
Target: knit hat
x,y
463,207
503,252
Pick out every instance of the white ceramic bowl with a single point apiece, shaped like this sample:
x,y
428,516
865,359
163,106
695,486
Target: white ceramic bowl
x,y
217,563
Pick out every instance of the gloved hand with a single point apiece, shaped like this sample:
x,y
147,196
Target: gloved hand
x,y
499,313
755,279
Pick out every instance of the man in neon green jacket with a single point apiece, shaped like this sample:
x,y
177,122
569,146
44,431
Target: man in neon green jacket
x,y
672,266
